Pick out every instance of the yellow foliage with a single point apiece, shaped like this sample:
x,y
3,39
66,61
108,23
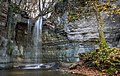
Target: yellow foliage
x,y
105,7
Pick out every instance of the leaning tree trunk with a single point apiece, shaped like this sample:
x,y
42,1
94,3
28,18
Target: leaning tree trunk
x,y
103,43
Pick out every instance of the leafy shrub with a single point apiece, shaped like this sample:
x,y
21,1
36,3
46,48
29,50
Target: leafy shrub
x,y
107,59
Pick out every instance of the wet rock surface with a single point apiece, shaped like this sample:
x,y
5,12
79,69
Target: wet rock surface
x,y
41,66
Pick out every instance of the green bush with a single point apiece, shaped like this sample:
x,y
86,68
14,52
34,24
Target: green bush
x,y
107,59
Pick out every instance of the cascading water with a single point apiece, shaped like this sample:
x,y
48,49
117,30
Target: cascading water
x,y
36,53
65,22
29,31
37,39
29,36
29,25
37,36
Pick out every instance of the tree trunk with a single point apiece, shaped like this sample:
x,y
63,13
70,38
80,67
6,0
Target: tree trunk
x,y
103,43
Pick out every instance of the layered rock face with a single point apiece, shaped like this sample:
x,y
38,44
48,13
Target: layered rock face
x,y
85,30
82,30
4,57
3,33
3,18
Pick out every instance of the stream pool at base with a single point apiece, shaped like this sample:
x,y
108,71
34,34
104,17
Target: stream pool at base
x,y
34,73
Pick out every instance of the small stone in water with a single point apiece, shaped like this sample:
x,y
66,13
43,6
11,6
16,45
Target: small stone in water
x,y
98,75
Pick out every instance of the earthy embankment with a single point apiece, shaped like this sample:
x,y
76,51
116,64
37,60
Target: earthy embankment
x,y
81,69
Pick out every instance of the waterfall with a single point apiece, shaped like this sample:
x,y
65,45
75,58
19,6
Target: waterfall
x,y
65,22
37,39
29,25
29,36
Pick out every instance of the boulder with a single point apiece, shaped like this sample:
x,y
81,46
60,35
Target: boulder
x,y
74,66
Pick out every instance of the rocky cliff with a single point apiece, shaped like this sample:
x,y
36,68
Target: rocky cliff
x,y
3,18
4,57
85,30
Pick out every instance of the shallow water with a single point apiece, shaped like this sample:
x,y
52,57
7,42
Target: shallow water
x,y
34,73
